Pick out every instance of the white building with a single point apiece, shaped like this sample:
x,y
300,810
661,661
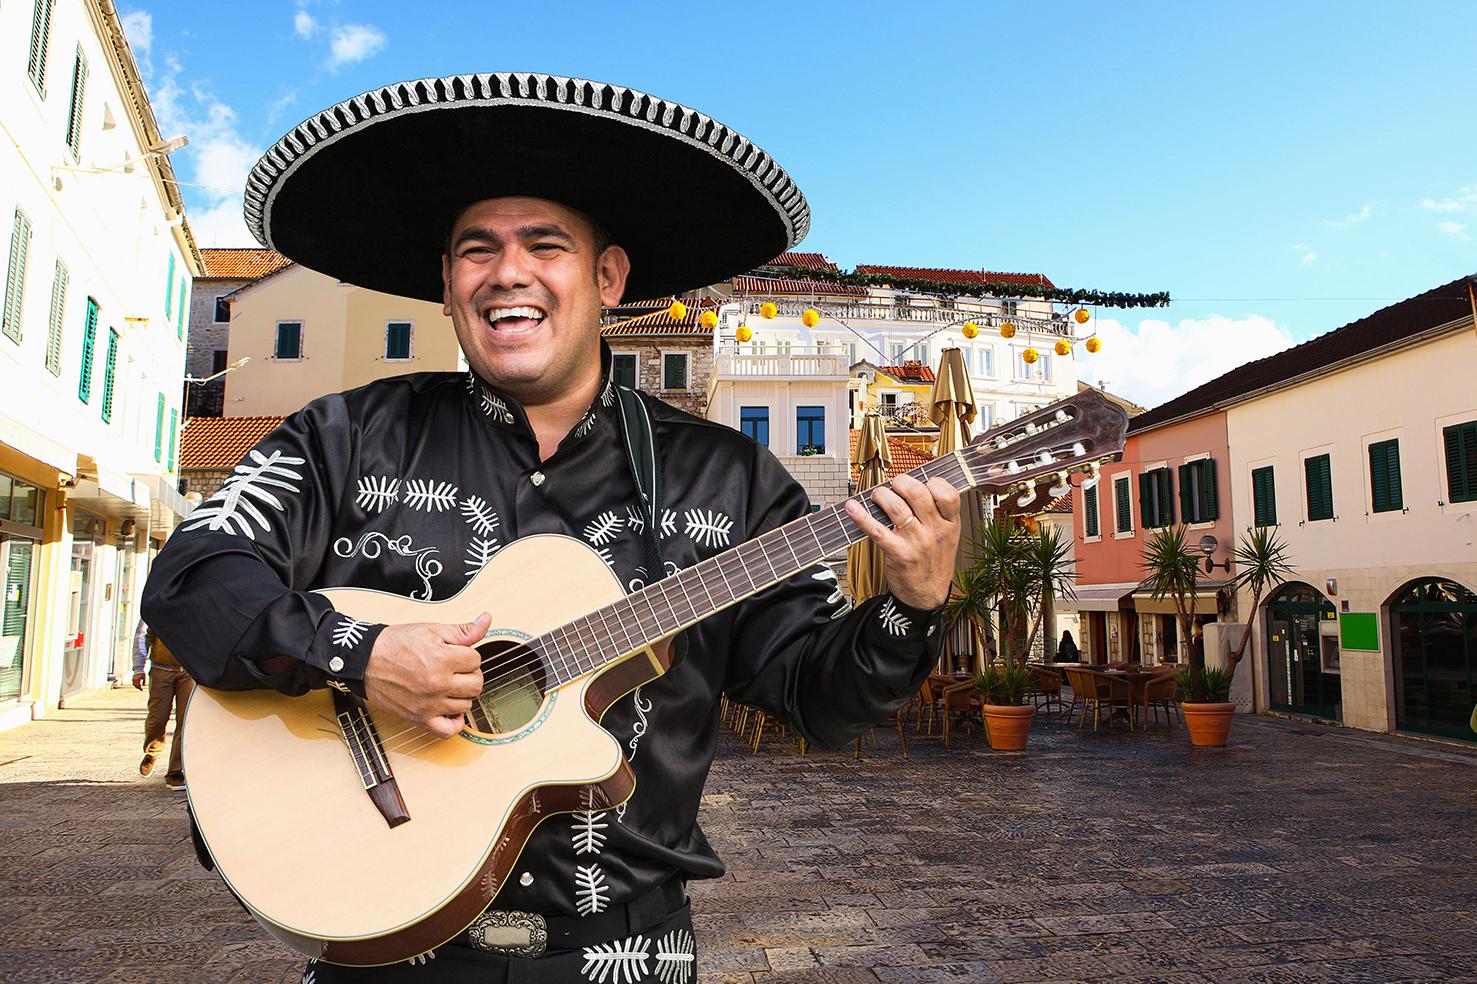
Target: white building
x,y
92,348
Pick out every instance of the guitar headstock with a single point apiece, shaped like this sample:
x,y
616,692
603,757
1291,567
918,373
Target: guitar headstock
x,y
1072,435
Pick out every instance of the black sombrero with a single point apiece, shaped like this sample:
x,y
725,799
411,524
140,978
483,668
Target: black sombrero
x,y
364,190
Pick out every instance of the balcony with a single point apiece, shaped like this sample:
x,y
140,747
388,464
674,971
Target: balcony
x,y
892,309
808,362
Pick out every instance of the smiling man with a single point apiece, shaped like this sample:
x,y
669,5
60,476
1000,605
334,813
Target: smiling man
x,y
525,203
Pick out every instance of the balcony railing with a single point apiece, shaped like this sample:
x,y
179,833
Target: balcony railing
x,y
805,361
884,309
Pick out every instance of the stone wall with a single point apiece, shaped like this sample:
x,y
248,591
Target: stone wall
x,y
825,479
204,339
649,352
206,481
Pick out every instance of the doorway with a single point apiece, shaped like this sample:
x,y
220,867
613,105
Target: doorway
x,y
1434,626
1302,653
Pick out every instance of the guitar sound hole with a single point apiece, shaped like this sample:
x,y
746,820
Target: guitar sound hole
x,y
513,687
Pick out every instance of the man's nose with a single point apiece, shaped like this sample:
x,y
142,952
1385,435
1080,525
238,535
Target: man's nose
x,y
511,269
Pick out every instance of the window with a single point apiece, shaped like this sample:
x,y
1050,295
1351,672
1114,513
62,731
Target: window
x,y
15,275
898,348
754,422
218,359
40,38
1385,493
109,369
810,430
1156,500
54,325
179,312
1320,487
397,340
74,114
173,435
1460,442
222,310
89,342
289,340
623,367
986,417
1037,371
1197,491
1122,505
1263,497
1009,308
987,361
159,430
169,289
674,370
1090,521
1045,363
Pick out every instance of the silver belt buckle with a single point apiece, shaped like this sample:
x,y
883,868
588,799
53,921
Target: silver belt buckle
x,y
512,934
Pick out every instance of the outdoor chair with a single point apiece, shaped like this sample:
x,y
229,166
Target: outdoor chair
x,y
1162,693
1099,692
926,701
1045,687
958,703
897,719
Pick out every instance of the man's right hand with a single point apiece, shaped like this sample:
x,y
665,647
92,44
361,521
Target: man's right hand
x,y
427,672
138,681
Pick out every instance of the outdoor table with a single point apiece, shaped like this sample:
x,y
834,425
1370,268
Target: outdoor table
x,y
1137,680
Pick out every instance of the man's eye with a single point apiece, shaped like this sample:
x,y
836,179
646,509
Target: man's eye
x,y
544,247
477,251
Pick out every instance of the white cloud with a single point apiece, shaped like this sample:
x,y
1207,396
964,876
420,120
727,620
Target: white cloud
x,y
1365,211
138,27
1456,230
1156,361
353,43
304,24
1465,200
221,225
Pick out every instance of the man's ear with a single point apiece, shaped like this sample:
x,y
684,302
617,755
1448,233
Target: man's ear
x,y
611,271
446,285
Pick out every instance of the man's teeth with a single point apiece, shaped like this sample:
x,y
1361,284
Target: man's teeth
x,y
497,314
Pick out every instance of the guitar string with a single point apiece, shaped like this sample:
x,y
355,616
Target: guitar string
x,y
535,657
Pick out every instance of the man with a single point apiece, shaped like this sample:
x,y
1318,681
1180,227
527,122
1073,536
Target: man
x,y
544,199
169,689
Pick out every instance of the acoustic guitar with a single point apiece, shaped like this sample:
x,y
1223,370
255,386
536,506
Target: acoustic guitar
x,y
357,838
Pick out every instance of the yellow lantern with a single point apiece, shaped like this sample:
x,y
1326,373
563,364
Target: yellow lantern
x,y
708,320
1063,347
1007,329
1029,356
767,310
810,318
677,311
970,329
744,333
1081,316
1093,344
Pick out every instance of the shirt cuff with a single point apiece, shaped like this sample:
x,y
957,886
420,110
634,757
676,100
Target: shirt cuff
x,y
898,625
341,649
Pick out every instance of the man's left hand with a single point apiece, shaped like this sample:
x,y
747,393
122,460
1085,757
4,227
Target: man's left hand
x,y
919,548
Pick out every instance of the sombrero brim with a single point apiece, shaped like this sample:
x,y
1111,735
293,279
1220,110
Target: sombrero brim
x,y
364,190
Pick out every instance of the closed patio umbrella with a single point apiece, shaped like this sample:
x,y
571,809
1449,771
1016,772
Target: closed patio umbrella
x,y
864,574
952,408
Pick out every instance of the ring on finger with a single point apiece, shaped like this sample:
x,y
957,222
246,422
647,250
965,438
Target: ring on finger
x,y
902,526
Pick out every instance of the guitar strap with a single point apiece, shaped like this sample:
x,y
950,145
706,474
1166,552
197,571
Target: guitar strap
x,y
640,441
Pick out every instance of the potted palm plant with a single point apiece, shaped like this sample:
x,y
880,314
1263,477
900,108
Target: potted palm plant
x,y
1003,690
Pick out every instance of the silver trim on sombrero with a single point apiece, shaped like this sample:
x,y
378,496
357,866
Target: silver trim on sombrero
x,y
493,88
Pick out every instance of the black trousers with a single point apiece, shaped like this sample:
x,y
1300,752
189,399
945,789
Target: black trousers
x,y
665,954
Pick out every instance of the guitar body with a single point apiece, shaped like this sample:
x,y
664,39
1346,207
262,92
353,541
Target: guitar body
x,y
281,804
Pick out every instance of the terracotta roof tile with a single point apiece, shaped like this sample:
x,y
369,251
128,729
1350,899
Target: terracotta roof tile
x,y
957,276
806,288
909,372
221,442
242,264
659,322
812,261
905,456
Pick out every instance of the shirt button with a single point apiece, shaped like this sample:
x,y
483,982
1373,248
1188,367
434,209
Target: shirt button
x,y
336,664
525,879
537,478
931,629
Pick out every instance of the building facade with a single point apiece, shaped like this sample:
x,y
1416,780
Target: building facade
x,y
207,357
92,349
670,358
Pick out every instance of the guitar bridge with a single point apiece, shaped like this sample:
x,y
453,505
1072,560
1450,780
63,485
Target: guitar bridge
x,y
363,741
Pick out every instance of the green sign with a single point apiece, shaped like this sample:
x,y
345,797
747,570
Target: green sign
x,y
1359,630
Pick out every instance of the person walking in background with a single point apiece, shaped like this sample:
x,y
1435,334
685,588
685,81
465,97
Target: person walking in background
x,y
169,687
1066,650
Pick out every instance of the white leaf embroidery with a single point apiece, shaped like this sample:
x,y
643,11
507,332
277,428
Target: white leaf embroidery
x,y
605,555
607,398
669,523
493,406
377,492
589,831
708,528
676,955
619,963
634,519
893,620
349,633
231,509
604,529
310,974
479,515
428,495
421,959
586,425
592,894
479,552
825,573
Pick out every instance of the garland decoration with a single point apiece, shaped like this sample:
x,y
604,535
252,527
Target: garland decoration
x,y
1066,295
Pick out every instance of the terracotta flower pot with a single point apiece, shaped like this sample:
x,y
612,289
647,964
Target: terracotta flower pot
x,y
1008,726
1208,724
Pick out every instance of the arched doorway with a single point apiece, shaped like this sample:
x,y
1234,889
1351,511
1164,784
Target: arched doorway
x,y
1303,652
1433,624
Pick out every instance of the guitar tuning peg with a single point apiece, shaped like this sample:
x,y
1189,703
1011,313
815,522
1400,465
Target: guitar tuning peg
x,y
1078,450
1045,457
1062,486
1028,498
1061,417
1012,468
1002,442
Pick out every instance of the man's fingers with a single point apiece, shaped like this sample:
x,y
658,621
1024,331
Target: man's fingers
x,y
894,505
863,519
468,633
462,659
466,685
946,498
444,726
918,497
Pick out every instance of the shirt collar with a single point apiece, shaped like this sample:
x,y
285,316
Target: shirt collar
x,y
503,411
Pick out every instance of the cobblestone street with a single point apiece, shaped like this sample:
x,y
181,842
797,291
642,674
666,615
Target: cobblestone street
x,y
1301,853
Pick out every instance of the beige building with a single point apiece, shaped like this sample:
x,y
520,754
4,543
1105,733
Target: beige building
x,y
92,346
207,357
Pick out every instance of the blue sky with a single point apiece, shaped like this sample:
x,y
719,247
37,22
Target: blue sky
x,y
1280,169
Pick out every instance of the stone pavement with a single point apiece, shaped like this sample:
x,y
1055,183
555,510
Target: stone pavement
x,y
1302,853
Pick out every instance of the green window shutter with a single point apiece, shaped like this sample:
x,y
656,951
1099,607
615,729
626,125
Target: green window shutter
x,y
89,342
74,115
1089,512
1264,496
1124,507
1146,500
173,435
40,38
1187,493
1461,461
1209,507
179,312
169,289
109,369
1166,497
1385,493
159,431
1320,487
58,313
15,275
